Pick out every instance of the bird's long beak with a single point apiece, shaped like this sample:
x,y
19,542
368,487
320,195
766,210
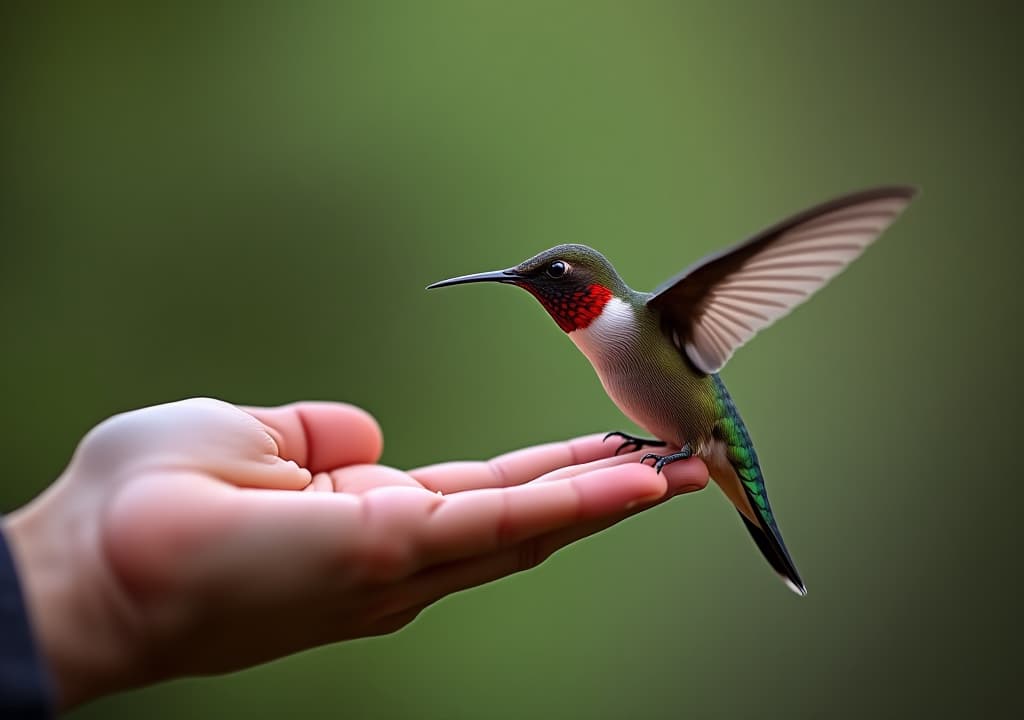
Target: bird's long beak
x,y
502,276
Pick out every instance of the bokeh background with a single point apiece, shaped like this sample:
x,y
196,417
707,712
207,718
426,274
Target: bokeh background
x,y
246,201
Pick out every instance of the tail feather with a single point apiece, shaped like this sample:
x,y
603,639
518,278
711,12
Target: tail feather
x,y
777,556
740,469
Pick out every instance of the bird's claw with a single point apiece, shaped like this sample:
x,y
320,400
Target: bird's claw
x,y
631,442
660,461
657,465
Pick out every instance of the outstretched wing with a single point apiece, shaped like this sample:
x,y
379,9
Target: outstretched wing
x,y
721,302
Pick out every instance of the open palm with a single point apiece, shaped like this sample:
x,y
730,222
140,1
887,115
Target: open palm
x,y
199,537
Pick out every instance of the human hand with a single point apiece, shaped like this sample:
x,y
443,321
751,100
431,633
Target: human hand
x,y
197,537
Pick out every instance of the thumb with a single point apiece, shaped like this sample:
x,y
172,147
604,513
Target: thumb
x,y
199,434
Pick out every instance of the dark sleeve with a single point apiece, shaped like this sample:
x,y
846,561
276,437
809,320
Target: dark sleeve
x,y
25,690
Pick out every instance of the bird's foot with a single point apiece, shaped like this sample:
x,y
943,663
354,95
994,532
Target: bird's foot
x,y
633,443
660,461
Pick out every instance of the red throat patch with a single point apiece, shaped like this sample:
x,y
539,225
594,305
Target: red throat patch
x,y
574,309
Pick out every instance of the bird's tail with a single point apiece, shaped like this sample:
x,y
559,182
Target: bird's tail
x,y
742,480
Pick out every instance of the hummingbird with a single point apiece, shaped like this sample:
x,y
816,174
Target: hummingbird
x,y
658,354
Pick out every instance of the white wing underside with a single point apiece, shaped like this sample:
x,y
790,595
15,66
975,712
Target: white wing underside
x,y
780,277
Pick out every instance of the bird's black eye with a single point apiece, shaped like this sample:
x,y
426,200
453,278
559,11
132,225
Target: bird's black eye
x,y
557,269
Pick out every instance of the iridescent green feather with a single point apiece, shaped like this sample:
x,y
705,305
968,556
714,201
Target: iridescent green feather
x,y
740,451
741,454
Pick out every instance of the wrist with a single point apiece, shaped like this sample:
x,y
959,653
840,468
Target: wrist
x,y
70,597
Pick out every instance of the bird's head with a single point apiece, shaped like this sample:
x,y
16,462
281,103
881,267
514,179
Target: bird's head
x,y
572,282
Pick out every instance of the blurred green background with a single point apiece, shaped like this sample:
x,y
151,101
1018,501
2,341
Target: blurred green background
x,y
246,201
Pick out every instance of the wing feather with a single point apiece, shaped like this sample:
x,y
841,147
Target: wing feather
x,y
724,300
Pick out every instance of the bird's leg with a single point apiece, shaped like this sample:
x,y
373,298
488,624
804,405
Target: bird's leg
x,y
660,461
633,443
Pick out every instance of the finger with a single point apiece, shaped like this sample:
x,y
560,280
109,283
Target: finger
x,y
267,473
322,436
550,543
466,521
426,587
683,472
208,435
481,521
321,482
359,479
514,468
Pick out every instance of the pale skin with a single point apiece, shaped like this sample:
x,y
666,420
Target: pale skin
x,y
199,537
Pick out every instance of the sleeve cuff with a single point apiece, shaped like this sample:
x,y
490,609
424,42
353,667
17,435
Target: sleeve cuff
x,y
25,687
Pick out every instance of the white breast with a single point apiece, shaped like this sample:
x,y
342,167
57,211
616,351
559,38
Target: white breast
x,y
637,375
611,332
610,344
